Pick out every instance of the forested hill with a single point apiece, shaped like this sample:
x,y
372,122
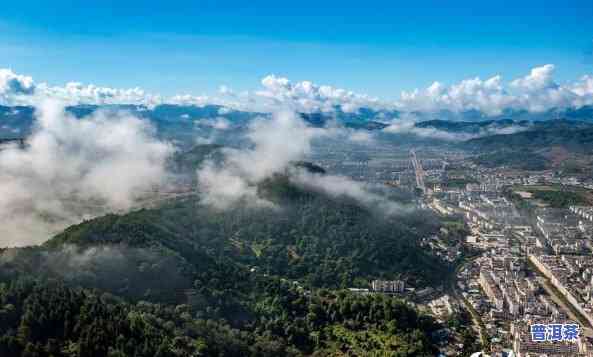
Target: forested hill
x,y
51,320
319,240
253,281
545,145
572,135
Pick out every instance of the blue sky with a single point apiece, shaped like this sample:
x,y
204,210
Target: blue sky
x,y
374,47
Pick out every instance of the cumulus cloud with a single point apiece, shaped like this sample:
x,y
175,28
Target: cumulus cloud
x,y
16,89
13,87
73,169
488,96
535,92
539,78
277,93
77,93
308,97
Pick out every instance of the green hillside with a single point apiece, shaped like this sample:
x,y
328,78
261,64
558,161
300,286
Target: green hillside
x,y
536,148
53,320
246,281
572,135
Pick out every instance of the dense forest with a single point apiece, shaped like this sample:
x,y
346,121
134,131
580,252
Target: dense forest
x,y
50,319
187,280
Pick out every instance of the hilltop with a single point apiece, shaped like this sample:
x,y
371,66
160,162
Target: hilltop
x,y
269,278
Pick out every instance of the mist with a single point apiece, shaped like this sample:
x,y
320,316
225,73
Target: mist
x,y
74,169
275,144
407,125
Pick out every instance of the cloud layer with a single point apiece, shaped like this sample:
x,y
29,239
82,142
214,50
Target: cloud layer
x,y
407,125
536,91
73,169
276,144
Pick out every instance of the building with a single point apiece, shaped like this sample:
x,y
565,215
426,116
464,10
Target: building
x,y
491,289
388,286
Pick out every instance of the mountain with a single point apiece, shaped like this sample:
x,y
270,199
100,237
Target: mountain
x,y
545,145
179,121
319,240
584,113
187,162
364,118
253,280
472,127
15,122
173,122
52,320
573,135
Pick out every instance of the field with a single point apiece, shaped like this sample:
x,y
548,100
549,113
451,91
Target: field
x,y
556,196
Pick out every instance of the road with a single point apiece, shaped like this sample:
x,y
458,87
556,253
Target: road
x,y
476,319
418,171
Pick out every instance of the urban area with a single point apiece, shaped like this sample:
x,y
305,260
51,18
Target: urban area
x,y
519,243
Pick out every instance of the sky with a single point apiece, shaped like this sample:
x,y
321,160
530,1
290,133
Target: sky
x,y
379,48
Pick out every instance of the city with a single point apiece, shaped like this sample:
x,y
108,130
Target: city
x,y
520,263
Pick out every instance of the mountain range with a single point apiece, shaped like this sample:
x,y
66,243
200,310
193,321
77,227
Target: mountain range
x,y
176,120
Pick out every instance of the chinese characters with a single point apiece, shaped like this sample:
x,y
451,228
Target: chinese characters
x,y
554,332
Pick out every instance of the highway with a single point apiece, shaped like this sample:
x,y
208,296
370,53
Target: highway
x,y
419,172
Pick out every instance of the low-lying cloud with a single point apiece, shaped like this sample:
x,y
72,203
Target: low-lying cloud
x,y
276,144
71,169
337,186
408,126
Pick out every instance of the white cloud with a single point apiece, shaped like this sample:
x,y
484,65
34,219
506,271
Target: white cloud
x,y
77,93
407,125
308,97
188,99
361,136
337,186
488,96
539,78
218,123
584,87
14,86
74,169
276,143
537,91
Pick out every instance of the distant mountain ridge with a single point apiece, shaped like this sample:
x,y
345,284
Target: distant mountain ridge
x,y
471,126
573,135
178,122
